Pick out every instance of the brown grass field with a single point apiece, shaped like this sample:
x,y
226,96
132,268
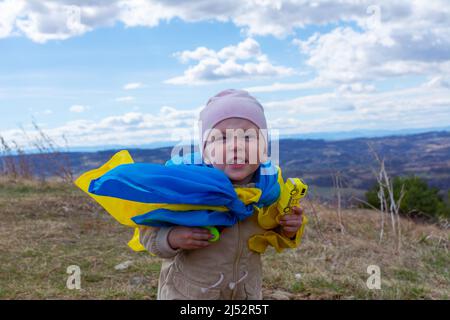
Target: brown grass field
x,y
45,227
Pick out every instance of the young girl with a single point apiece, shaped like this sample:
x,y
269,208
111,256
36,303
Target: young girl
x,y
230,268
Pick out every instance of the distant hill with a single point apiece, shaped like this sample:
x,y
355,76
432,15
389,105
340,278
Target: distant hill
x,y
425,154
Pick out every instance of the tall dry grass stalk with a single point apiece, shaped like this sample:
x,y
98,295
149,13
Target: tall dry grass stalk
x,y
337,183
8,165
50,150
389,206
15,163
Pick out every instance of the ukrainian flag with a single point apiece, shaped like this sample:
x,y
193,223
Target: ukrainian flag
x,y
179,193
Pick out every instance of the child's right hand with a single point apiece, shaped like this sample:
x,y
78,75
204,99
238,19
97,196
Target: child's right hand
x,y
188,237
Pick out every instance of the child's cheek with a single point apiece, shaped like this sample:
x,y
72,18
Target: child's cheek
x,y
221,167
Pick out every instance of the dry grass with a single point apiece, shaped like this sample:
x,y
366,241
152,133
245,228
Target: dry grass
x,y
45,227
333,265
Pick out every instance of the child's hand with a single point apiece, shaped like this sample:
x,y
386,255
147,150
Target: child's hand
x,y
188,237
290,223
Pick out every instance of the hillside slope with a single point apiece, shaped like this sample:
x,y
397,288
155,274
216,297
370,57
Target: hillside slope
x,y
46,228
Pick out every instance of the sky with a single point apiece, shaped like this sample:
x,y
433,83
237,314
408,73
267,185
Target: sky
x,y
134,72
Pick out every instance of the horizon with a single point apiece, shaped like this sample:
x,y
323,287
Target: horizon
x,y
326,136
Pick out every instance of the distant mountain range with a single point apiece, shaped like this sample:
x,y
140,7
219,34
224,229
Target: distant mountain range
x,y
315,160
352,134
425,154
328,136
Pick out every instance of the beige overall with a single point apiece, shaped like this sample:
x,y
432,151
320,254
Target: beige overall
x,y
226,269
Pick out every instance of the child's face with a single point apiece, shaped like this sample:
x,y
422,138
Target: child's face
x,y
236,147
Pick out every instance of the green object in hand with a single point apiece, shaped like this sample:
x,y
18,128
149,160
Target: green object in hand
x,y
214,232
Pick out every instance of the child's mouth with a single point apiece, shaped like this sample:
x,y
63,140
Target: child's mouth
x,y
237,165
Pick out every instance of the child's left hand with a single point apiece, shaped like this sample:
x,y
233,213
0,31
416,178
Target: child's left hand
x,y
290,223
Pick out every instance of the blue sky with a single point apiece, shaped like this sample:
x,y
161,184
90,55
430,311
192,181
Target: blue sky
x,y
138,71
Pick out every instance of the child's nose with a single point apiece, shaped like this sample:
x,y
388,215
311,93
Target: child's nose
x,y
236,144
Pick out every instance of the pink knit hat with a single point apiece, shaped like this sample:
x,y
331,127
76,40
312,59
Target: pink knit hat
x,y
231,103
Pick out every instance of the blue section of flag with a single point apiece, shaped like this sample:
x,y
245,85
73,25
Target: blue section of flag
x,y
184,181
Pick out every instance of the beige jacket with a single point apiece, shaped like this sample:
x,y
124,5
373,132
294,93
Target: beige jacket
x,y
226,269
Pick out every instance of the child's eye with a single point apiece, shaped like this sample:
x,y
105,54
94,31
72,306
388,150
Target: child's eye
x,y
219,139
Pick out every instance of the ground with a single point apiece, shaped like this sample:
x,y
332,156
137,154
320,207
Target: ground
x,y
46,227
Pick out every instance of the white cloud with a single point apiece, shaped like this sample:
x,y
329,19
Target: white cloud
x,y
134,13
356,87
59,22
392,39
125,99
277,86
43,20
417,107
414,40
46,20
135,128
437,82
229,63
77,108
9,10
424,106
133,85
